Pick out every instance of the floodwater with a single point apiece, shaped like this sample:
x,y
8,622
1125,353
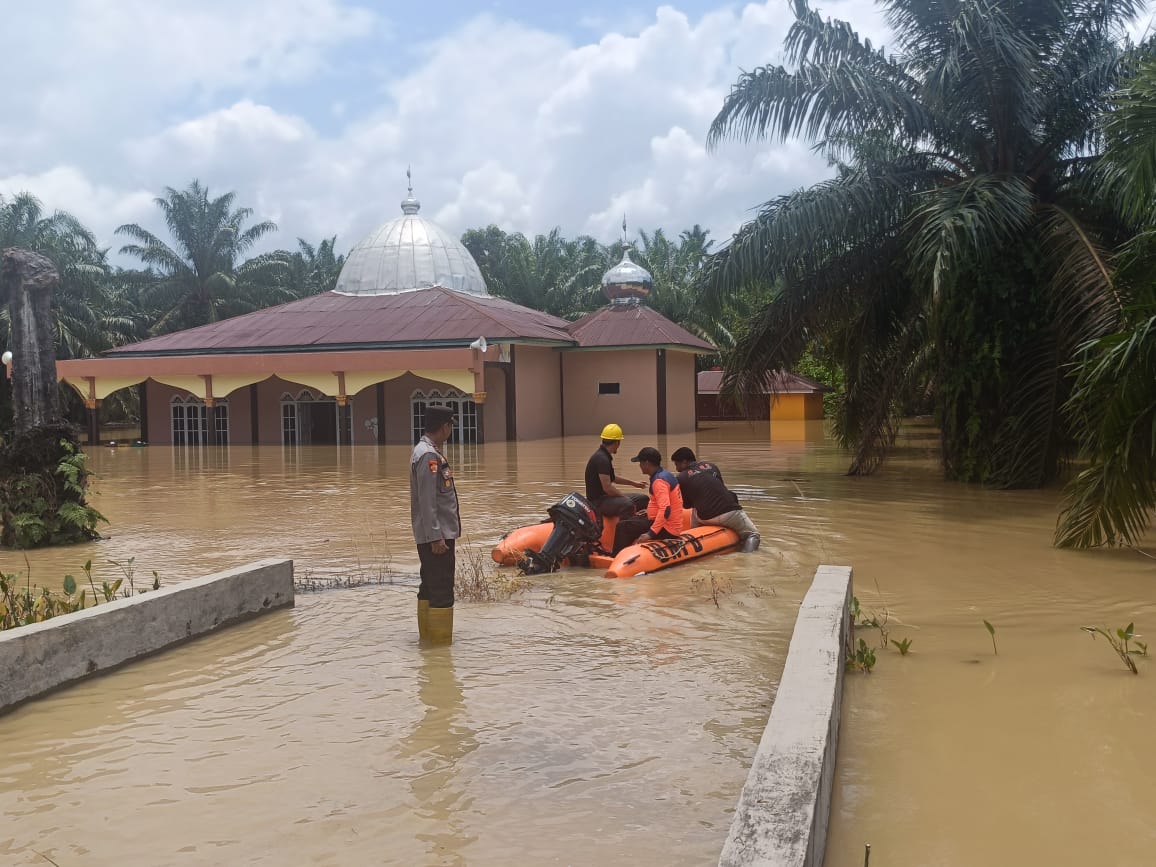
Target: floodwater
x,y
587,721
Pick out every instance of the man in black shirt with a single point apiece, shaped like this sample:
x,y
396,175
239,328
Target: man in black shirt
x,y
711,501
602,484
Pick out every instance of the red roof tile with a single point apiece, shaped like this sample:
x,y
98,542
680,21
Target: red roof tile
x,y
435,315
633,325
710,382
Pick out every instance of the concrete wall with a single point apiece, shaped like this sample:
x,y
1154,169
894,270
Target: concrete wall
x,y
539,400
680,379
635,407
494,409
35,659
783,812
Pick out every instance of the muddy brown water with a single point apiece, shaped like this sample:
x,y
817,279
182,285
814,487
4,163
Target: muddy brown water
x,y
586,721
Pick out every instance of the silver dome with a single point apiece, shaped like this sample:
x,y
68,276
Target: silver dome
x,y
409,253
627,280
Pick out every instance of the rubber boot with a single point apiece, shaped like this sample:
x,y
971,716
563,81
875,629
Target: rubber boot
x,y
423,621
441,627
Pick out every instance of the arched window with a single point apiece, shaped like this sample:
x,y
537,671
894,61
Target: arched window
x,y
193,424
465,431
310,418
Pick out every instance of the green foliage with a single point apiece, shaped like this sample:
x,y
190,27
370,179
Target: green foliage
x,y
551,273
903,646
1120,642
562,276
310,270
1114,403
23,605
818,364
204,278
860,657
43,480
991,631
960,255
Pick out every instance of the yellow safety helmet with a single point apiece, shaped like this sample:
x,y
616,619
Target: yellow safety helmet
x,y
612,432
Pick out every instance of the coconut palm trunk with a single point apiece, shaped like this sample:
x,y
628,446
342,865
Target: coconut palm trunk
x,y
42,475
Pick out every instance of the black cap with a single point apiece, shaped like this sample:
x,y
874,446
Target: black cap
x,y
682,454
436,416
648,454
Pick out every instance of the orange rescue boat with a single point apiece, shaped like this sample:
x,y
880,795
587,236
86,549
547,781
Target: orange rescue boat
x,y
514,548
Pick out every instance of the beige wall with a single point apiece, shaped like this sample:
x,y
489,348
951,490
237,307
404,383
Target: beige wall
x,y
160,413
494,409
680,380
539,399
539,402
635,407
363,405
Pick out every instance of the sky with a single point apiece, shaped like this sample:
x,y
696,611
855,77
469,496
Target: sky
x,y
528,114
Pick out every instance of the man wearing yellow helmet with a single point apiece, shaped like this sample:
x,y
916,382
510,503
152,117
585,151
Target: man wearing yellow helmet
x,y
602,483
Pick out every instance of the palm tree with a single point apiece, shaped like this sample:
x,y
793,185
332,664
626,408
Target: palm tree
x,y
312,270
676,268
204,278
1114,401
959,250
549,273
88,319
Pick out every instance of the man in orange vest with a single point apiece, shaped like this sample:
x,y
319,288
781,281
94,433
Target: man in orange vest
x,y
664,511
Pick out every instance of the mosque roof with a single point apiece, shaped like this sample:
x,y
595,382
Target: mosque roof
x,y
425,317
409,253
619,324
783,382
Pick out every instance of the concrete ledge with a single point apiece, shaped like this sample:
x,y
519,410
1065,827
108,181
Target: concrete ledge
x,y
42,656
782,815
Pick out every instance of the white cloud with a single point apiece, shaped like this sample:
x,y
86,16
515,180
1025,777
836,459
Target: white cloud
x,y
99,207
502,123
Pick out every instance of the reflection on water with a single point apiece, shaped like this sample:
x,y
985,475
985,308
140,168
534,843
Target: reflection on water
x,y
437,742
593,722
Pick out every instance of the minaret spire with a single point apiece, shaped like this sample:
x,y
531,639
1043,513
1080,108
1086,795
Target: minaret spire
x,y
410,205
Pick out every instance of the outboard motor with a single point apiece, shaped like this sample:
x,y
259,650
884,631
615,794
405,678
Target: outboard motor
x,y
576,528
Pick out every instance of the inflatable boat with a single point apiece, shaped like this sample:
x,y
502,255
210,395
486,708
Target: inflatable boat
x,y
575,536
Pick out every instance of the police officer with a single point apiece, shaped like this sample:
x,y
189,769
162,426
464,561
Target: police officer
x,y
433,509
602,484
710,500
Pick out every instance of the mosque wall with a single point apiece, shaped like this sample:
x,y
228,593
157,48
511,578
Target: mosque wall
x,y
366,425
537,380
161,398
610,386
494,409
680,382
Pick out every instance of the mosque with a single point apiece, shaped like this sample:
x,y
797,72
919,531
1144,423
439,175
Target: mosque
x,y
410,323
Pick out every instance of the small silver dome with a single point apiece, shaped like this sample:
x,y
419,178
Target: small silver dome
x,y
627,281
409,253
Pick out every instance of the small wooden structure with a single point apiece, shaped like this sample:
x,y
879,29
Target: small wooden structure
x,y
787,397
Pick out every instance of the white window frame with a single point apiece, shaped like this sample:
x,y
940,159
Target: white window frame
x,y
191,423
465,431
291,416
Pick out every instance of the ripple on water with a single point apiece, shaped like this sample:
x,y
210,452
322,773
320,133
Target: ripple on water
x,y
593,721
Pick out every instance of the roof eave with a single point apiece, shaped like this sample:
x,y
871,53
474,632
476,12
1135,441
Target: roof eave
x,y
333,347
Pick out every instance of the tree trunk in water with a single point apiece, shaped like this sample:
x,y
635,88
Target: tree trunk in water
x,y
26,283
42,471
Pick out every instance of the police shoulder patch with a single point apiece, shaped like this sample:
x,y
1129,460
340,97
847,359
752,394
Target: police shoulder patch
x,y
433,465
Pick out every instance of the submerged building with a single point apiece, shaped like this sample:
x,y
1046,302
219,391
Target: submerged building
x,y
409,323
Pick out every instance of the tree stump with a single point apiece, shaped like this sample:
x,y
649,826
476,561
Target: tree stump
x,y
26,283
43,478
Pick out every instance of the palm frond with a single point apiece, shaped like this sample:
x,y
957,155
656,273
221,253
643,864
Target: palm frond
x,y
1114,404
